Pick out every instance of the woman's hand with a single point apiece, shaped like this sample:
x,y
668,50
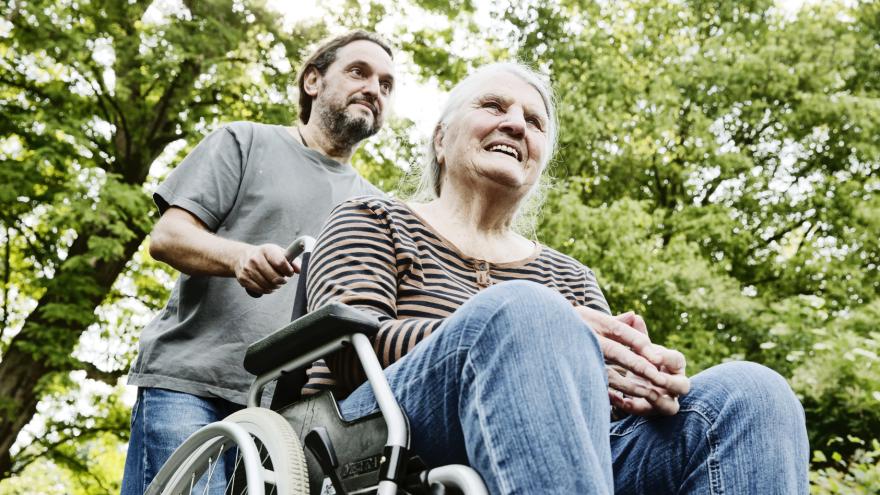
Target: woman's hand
x,y
636,396
644,378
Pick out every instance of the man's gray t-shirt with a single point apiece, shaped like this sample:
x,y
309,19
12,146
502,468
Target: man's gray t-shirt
x,y
248,182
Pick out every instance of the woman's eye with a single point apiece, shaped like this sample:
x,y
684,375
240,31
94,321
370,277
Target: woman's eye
x,y
492,105
386,88
357,71
536,122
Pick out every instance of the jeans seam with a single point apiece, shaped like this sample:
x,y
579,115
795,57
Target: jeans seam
x,y
487,436
716,485
483,322
630,429
455,353
459,347
704,413
143,446
709,415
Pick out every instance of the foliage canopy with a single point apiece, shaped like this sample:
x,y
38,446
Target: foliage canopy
x,y
718,169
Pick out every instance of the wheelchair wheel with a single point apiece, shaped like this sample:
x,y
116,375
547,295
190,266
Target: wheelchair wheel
x,y
257,437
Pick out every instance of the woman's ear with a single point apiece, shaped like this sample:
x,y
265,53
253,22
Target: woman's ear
x,y
439,134
311,81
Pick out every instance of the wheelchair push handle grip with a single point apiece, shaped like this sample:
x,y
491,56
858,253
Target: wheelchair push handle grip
x,y
302,245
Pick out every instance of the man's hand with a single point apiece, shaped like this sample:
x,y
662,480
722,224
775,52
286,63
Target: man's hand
x,y
262,269
184,242
645,378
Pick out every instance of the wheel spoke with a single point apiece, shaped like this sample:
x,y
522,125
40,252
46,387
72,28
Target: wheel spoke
x,y
230,484
282,466
212,468
264,457
207,478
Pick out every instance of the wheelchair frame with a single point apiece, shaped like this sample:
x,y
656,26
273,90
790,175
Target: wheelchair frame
x,y
309,338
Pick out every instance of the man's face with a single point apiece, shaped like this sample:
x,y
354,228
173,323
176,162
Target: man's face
x,y
353,94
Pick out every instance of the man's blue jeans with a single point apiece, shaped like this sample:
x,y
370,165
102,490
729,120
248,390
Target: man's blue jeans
x,y
160,421
514,384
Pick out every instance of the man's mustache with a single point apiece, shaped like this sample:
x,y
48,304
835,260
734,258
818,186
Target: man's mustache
x,y
365,101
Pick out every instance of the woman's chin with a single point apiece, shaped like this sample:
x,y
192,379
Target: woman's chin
x,y
504,179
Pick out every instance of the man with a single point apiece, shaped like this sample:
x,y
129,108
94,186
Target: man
x,y
244,192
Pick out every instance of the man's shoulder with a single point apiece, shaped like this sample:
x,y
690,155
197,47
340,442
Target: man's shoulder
x,y
237,134
245,130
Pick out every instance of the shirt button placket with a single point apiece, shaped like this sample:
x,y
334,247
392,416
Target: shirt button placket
x,y
483,278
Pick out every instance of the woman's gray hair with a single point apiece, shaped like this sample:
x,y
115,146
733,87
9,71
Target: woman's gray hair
x,y
430,175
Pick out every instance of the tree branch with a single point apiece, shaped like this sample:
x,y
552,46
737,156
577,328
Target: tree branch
x,y
26,87
713,186
807,234
7,255
22,226
782,232
50,449
105,95
161,110
661,192
97,374
167,139
765,280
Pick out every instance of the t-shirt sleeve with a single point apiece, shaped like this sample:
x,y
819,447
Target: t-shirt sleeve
x,y
206,183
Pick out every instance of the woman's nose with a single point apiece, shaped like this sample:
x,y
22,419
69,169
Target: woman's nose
x,y
514,123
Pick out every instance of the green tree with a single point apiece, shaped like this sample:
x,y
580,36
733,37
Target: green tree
x,y
718,168
92,93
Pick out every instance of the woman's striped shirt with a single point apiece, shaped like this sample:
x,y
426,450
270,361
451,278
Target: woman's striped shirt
x,y
377,255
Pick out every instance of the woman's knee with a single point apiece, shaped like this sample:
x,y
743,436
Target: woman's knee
x,y
533,308
529,315
530,296
748,388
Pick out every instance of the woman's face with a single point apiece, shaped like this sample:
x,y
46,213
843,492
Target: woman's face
x,y
499,138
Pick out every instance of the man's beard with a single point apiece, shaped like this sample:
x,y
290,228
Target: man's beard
x,y
344,130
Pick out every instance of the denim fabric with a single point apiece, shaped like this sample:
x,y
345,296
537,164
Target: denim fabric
x,y
740,430
480,390
160,421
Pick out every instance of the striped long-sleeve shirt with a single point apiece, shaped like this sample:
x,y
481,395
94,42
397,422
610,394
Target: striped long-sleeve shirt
x,y
377,255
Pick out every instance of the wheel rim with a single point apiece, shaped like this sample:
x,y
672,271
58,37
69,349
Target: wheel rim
x,y
274,445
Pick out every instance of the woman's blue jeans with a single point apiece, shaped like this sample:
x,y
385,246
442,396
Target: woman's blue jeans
x,y
514,384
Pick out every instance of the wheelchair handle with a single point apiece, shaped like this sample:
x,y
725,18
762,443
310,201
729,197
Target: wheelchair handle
x,y
302,245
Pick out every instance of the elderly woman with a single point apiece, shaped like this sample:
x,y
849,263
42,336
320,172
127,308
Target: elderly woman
x,y
497,347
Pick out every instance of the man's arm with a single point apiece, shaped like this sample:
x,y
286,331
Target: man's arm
x,y
184,242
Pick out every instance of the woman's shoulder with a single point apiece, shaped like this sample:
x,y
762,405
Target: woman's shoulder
x,y
379,208
373,203
562,262
577,276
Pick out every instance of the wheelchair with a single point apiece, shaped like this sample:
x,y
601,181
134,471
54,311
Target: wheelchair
x,y
301,446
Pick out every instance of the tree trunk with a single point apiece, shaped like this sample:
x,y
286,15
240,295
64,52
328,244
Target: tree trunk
x,y
47,339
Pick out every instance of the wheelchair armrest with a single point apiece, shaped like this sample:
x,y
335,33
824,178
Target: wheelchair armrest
x,y
318,328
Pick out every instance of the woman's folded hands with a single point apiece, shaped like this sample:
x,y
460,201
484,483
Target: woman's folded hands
x,y
643,378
